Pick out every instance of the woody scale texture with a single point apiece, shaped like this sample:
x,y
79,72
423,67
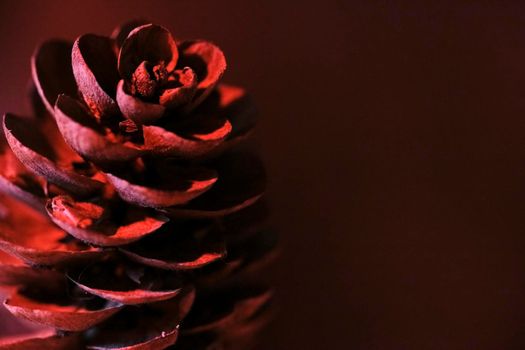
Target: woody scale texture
x,y
130,206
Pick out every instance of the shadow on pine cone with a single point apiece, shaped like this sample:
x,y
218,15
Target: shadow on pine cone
x,y
130,214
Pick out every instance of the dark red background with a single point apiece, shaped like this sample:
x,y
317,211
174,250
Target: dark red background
x,y
394,136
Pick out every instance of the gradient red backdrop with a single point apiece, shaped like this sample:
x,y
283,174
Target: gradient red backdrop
x,y
394,138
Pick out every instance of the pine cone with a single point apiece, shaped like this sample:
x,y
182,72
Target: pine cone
x,y
129,200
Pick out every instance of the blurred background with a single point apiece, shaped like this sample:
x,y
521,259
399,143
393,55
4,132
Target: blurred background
x,y
394,139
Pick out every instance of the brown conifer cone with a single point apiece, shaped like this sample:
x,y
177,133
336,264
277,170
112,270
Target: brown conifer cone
x,y
130,212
